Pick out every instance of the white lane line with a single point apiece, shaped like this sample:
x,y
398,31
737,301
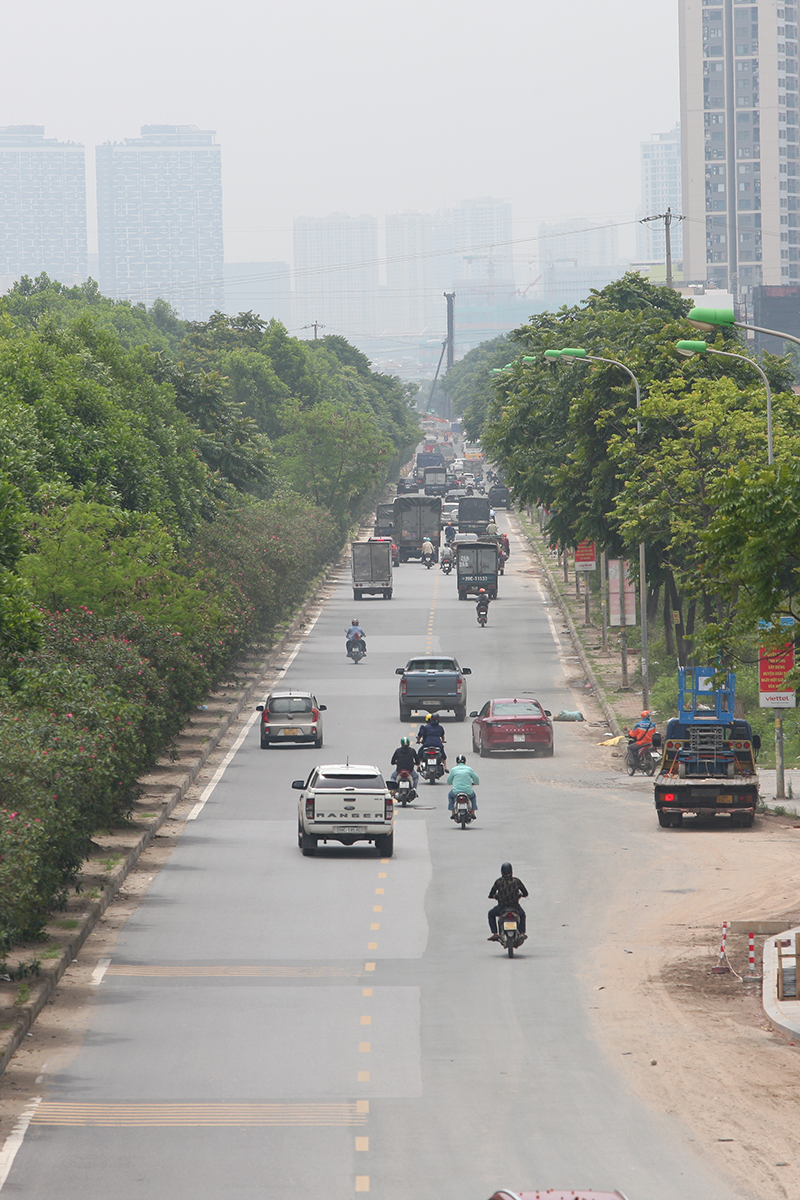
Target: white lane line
x,y
99,971
15,1139
222,768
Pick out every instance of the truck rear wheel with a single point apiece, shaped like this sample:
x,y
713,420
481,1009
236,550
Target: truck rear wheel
x,y
357,593
405,713
308,844
385,845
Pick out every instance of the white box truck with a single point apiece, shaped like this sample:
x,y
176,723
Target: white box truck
x,y
372,568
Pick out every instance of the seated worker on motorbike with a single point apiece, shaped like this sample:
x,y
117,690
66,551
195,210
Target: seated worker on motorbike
x,y
462,780
431,733
446,554
491,529
427,549
450,532
405,759
641,737
507,891
483,601
353,634
506,544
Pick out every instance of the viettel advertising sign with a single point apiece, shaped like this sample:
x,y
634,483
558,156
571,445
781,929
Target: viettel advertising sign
x,y
774,664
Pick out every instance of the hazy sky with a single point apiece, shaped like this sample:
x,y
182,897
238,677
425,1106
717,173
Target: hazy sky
x,y
359,106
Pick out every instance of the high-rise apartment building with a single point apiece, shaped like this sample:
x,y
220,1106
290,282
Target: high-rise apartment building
x,y
482,246
336,274
740,132
42,206
574,257
159,216
661,190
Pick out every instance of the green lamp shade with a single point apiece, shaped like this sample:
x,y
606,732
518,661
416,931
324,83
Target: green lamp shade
x,y
692,347
552,354
572,352
712,316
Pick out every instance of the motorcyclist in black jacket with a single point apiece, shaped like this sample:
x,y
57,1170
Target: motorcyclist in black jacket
x,y
431,733
405,758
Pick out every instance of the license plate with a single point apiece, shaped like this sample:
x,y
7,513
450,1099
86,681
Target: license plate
x,y
351,829
724,799
519,737
509,924
291,732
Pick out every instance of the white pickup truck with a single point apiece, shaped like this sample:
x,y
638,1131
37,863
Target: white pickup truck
x,y
346,804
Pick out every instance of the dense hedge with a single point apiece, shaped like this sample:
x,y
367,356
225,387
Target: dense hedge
x,y
167,493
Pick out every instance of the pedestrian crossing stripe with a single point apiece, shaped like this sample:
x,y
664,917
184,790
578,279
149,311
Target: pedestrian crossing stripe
x,y
232,971
161,1115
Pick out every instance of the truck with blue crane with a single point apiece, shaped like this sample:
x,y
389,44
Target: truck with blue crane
x,y
708,765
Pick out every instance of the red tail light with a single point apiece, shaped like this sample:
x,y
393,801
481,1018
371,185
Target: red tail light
x,y
310,809
668,796
388,809
459,686
403,687
315,714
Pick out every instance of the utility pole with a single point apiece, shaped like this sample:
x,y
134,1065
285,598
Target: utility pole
x,y
450,297
667,217
315,325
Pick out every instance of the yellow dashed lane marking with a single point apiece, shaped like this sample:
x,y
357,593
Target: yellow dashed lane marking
x,y
364,1047
363,1076
362,1183
159,1115
362,1143
366,1020
372,945
366,991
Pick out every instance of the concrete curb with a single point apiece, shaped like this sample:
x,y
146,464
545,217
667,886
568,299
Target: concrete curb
x,y
44,987
769,987
552,586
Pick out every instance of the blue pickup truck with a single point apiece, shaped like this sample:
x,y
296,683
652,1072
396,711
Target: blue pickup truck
x,y
435,684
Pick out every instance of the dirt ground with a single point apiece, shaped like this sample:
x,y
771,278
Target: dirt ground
x,y
692,1044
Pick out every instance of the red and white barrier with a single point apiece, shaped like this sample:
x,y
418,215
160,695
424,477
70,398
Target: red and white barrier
x,y
721,968
751,954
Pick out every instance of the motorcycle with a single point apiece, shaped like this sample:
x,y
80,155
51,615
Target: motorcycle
x,y
356,650
508,931
483,616
647,759
463,812
428,561
431,767
447,565
404,788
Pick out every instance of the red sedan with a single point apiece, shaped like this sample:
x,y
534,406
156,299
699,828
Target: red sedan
x,y
515,724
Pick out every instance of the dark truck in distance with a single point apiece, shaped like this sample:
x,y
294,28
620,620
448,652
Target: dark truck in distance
x,y
433,683
435,481
708,766
384,520
415,519
473,514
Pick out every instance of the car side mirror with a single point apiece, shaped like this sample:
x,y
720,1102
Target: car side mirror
x,y
657,741
322,707
400,671
259,708
474,714
466,671
298,784
547,712
756,742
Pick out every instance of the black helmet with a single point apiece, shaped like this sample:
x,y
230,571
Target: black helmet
x,y
506,869
354,621
461,758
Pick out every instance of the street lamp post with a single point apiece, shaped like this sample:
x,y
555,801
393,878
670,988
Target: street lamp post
x,y
579,353
688,349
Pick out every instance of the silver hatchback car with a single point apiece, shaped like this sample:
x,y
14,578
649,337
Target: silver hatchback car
x,y
290,717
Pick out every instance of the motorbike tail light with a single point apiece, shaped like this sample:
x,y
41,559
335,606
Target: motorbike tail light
x,y
668,797
388,809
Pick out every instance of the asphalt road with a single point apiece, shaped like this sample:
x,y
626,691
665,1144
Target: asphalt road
x,y
274,1025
